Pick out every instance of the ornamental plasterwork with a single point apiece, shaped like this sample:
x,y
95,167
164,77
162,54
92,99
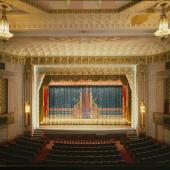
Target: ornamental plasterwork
x,y
86,59
93,70
131,16
161,119
96,72
40,78
99,5
84,46
87,21
131,80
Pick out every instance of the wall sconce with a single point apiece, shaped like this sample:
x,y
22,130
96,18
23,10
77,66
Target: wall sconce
x,y
142,111
27,113
27,107
142,108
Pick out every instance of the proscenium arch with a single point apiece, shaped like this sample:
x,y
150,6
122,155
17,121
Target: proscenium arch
x,y
40,71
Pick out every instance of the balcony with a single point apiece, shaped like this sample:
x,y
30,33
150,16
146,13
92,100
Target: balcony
x,y
162,119
7,118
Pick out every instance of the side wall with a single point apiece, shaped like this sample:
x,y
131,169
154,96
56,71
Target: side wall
x,y
156,95
15,102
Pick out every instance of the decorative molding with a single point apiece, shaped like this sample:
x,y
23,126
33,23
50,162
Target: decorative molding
x,y
110,33
162,119
163,74
86,70
135,14
158,58
142,89
6,119
85,21
40,80
86,46
6,74
25,7
80,11
117,10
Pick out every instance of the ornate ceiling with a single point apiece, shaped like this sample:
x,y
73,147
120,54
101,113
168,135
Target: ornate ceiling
x,y
55,5
84,46
84,28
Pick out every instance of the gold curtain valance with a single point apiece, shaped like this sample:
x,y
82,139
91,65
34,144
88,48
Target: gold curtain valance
x,y
57,78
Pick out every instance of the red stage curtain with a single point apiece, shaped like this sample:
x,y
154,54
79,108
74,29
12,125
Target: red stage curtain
x,y
45,100
124,99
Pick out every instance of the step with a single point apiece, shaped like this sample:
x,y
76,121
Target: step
x,y
38,130
134,137
39,134
132,134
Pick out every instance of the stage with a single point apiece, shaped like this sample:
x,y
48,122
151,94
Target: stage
x,y
85,129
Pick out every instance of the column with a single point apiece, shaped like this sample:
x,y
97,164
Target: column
x,y
28,97
142,96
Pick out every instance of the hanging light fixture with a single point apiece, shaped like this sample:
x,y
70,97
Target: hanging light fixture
x,y
4,25
163,30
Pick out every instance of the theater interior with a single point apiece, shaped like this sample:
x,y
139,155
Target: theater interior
x,y
84,83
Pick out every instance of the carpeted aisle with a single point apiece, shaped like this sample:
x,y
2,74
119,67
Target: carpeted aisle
x,y
125,154
42,154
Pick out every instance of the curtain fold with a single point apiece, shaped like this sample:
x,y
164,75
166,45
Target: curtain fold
x,y
45,100
78,104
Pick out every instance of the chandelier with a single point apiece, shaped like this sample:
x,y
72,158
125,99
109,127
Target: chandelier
x,y
4,25
163,30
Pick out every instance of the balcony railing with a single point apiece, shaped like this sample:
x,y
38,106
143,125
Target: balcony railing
x,y
162,119
7,118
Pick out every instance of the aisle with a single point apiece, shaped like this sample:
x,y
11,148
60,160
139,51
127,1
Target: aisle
x,y
125,154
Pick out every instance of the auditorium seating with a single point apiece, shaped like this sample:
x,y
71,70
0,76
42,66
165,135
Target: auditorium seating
x,y
81,152
91,148
83,163
84,139
138,140
84,155
147,150
22,150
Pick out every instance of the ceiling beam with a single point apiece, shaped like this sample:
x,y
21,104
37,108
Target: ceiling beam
x,y
68,2
136,6
30,9
128,5
93,33
100,2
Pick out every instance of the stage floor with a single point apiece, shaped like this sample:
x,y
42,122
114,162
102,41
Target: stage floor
x,y
88,129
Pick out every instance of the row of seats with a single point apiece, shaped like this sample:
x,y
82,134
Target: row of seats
x,y
106,141
146,150
83,148
83,155
85,152
20,151
24,150
84,163
84,139
86,145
